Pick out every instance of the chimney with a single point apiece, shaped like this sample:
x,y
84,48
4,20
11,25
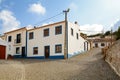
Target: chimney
x,y
76,22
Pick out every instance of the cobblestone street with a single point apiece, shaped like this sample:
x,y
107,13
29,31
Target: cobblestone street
x,y
88,66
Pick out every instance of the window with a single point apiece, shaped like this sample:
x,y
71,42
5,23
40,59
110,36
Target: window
x,y
46,32
96,45
17,50
102,44
31,35
77,35
58,48
58,30
9,38
71,31
18,40
35,50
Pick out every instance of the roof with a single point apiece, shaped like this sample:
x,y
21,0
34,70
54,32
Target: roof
x,y
46,25
101,40
29,29
16,30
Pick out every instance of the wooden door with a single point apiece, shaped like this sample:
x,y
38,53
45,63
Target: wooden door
x,y
47,51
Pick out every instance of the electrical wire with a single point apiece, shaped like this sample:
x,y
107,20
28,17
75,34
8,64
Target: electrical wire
x,y
48,18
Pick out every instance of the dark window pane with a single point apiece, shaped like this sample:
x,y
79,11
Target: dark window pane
x,y
31,35
58,48
96,45
9,38
102,44
58,30
46,32
18,40
17,50
35,50
71,31
77,36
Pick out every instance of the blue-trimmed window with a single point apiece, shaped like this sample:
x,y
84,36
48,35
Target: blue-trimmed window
x,y
58,48
17,50
35,50
46,32
58,30
31,35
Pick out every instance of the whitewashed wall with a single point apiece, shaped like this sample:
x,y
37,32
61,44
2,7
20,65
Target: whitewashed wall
x,y
40,41
75,46
12,45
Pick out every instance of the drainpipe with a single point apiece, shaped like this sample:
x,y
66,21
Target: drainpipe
x,y
26,45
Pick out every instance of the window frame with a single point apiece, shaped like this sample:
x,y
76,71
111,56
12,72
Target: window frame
x,y
58,30
9,38
58,51
102,44
77,35
72,31
18,39
96,45
35,53
47,33
31,34
17,50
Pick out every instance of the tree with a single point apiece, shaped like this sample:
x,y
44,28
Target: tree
x,y
107,33
118,33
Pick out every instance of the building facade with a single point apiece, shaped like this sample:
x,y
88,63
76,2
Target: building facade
x,y
50,41
17,42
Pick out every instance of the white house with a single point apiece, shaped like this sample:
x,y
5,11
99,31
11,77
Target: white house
x,y
16,40
57,40
49,41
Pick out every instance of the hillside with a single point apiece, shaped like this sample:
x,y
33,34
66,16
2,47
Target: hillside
x,y
113,56
116,25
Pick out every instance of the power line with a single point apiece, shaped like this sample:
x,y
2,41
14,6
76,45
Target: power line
x,y
48,18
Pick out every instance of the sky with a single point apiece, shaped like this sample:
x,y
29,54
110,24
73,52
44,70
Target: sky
x,y
93,16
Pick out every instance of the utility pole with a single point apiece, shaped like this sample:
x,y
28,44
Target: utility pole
x,y
66,35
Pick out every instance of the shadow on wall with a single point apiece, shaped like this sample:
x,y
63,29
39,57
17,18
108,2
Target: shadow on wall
x,y
75,53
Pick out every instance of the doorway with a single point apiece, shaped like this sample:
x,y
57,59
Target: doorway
x,y
23,51
47,51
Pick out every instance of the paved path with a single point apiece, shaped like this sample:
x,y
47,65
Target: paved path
x,y
88,66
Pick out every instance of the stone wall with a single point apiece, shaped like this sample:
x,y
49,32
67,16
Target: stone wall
x,y
112,56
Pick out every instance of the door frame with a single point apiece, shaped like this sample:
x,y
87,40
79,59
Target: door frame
x,y
48,52
23,55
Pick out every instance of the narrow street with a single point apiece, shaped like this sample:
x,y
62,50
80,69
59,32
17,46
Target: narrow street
x,y
88,66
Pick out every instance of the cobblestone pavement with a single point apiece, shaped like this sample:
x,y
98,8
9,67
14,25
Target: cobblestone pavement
x,y
88,66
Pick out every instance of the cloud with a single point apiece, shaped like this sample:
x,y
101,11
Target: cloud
x,y
47,23
91,29
8,21
37,8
